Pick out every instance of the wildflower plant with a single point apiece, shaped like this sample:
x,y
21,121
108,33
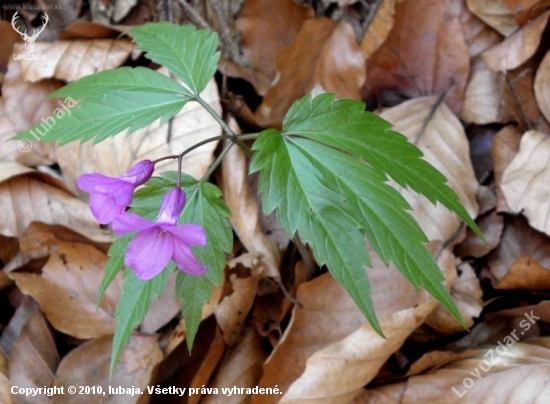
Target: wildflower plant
x,y
324,173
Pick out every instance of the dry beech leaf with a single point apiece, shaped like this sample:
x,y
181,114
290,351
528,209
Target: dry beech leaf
x,y
542,84
242,275
491,225
478,35
518,47
524,10
495,14
67,290
245,212
34,359
88,365
430,124
505,147
518,240
323,53
241,368
467,295
517,373
71,60
424,54
12,331
266,26
25,199
25,104
379,28
115,155
525,181
526,274
328,352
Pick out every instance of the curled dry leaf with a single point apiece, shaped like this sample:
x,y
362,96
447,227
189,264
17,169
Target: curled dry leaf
x,y
494,13
328,352
425,53
241,287
526,274
542,84
514,372
505,147
478,35
323,53
430,124
524,10
241,368
245,212
491,225
467,295
517,48
525,181
379,28
26,309
266,26
71,60
88,365
115,155
518,240
34,358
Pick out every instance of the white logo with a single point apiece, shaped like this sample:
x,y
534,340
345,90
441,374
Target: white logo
x,y
29,40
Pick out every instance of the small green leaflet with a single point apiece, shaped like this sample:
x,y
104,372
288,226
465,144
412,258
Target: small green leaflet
x,y
111,102
134,302
205,207
318,176
187,52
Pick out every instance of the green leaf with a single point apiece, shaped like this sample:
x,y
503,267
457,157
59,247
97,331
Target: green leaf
x,y
110,103
116,262
187,52
317,177
134,302
205,207
344,125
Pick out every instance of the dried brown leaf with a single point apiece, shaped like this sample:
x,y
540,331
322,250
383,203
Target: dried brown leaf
x,y
518,47
505,147
88,365
524,10
379,28
491,225
526,274
325,54
424,54
431,125
525,181
542,84
494,13
34,359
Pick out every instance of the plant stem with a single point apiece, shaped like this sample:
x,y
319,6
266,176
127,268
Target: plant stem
x,y
202,143
225,126
218,160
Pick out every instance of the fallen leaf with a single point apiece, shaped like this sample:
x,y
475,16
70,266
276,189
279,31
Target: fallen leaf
x,y
71,60
323,53
491,225
88,365
524,10
12,331
518,47
542,83
34,358
494,13
525,181
505,147
525,274
424,54
430,124
266,27
379,28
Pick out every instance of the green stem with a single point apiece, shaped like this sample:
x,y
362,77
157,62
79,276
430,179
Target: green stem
x,y
202,143
217,162
234,138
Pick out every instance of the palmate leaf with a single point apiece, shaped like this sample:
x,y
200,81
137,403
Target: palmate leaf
x,y
316,175
187,52
109,103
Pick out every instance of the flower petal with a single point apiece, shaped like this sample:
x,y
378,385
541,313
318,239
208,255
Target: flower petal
x,y
190,234
104,208
185,260
139,173
149,252
90,182
128,222
172,206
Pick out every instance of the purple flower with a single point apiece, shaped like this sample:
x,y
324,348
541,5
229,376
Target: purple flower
x,y
158,242
110,196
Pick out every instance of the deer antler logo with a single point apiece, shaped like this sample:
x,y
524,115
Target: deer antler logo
x,y
29,40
